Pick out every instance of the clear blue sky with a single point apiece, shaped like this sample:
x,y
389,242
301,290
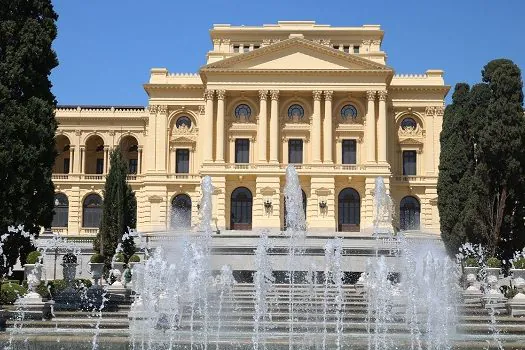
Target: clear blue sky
x,y
106,47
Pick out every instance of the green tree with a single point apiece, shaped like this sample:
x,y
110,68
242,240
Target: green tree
x,y
481,187
118,213
27,145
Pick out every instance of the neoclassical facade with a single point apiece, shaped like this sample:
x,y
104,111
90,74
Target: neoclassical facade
x,y
322,98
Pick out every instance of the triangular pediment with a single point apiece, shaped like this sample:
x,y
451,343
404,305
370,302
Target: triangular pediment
x,y
296,54
410,141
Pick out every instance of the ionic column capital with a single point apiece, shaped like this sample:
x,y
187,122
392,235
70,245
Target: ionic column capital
x,y
274,94
221,94
317,95
263,95
328,95
382,95
370,95
208,94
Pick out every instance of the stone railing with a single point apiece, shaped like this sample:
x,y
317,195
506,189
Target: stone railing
x,y
415,178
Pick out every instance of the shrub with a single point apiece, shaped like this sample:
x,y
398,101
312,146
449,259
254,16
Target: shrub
x,y
119,257
9,292
519,264
471,262
134,258
69,258
97,259
33,257
57,286
494,263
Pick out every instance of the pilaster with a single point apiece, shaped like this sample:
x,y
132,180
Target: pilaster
x,y
219,203
315,129
381,128
274,127
220,126
327,128
267,190
263,126
370,127
208,127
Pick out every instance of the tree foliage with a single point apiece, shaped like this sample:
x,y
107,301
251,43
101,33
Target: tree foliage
x,y
27,146
119,211
481,182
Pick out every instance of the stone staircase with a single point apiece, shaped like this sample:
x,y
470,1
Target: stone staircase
x,y
475,327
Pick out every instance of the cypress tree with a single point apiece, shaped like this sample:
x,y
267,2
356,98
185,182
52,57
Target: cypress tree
x,y
117,216
27,145
481,187
453,166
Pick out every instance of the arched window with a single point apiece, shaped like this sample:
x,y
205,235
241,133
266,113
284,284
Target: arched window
x,y
92,211
241,209
295,111
349,210
305,203
129,150
62,161
348,112
408,124
409,212
60,217
181,211
183,121
94,155
243,112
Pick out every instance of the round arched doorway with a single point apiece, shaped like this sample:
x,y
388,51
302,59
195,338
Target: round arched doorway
x,y
181,211
349,210
241,209
409,213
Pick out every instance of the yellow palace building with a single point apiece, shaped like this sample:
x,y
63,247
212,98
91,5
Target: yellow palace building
x,y
322,98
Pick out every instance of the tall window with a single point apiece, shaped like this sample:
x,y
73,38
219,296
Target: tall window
x,y
100,166
356,48
132,166
66,165
409,163
182,161
60,217
242,151
409,212
295,151
241,209
349,152
349,208
92,211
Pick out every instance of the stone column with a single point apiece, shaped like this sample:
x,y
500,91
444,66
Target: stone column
x,y
274,127
72,160
316,128
81,160
139,160
106,160
208,129
263,126
371,127
327,128
219,157
381,128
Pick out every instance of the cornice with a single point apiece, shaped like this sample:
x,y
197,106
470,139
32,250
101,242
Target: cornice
x,y
300,71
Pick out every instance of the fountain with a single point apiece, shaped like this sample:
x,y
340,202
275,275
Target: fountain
x,y
407,297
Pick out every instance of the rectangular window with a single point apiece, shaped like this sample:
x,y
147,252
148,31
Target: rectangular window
x,y
295,151
132,166
346,49
246,48
255,47
336,47
236,48
356,48
409,163
242,151
182,161
66,165
349,152
100,166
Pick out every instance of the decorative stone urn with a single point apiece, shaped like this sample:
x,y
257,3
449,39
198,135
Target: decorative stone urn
x,y
35,270
517,304
69,271
96,270
119,266
472,294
